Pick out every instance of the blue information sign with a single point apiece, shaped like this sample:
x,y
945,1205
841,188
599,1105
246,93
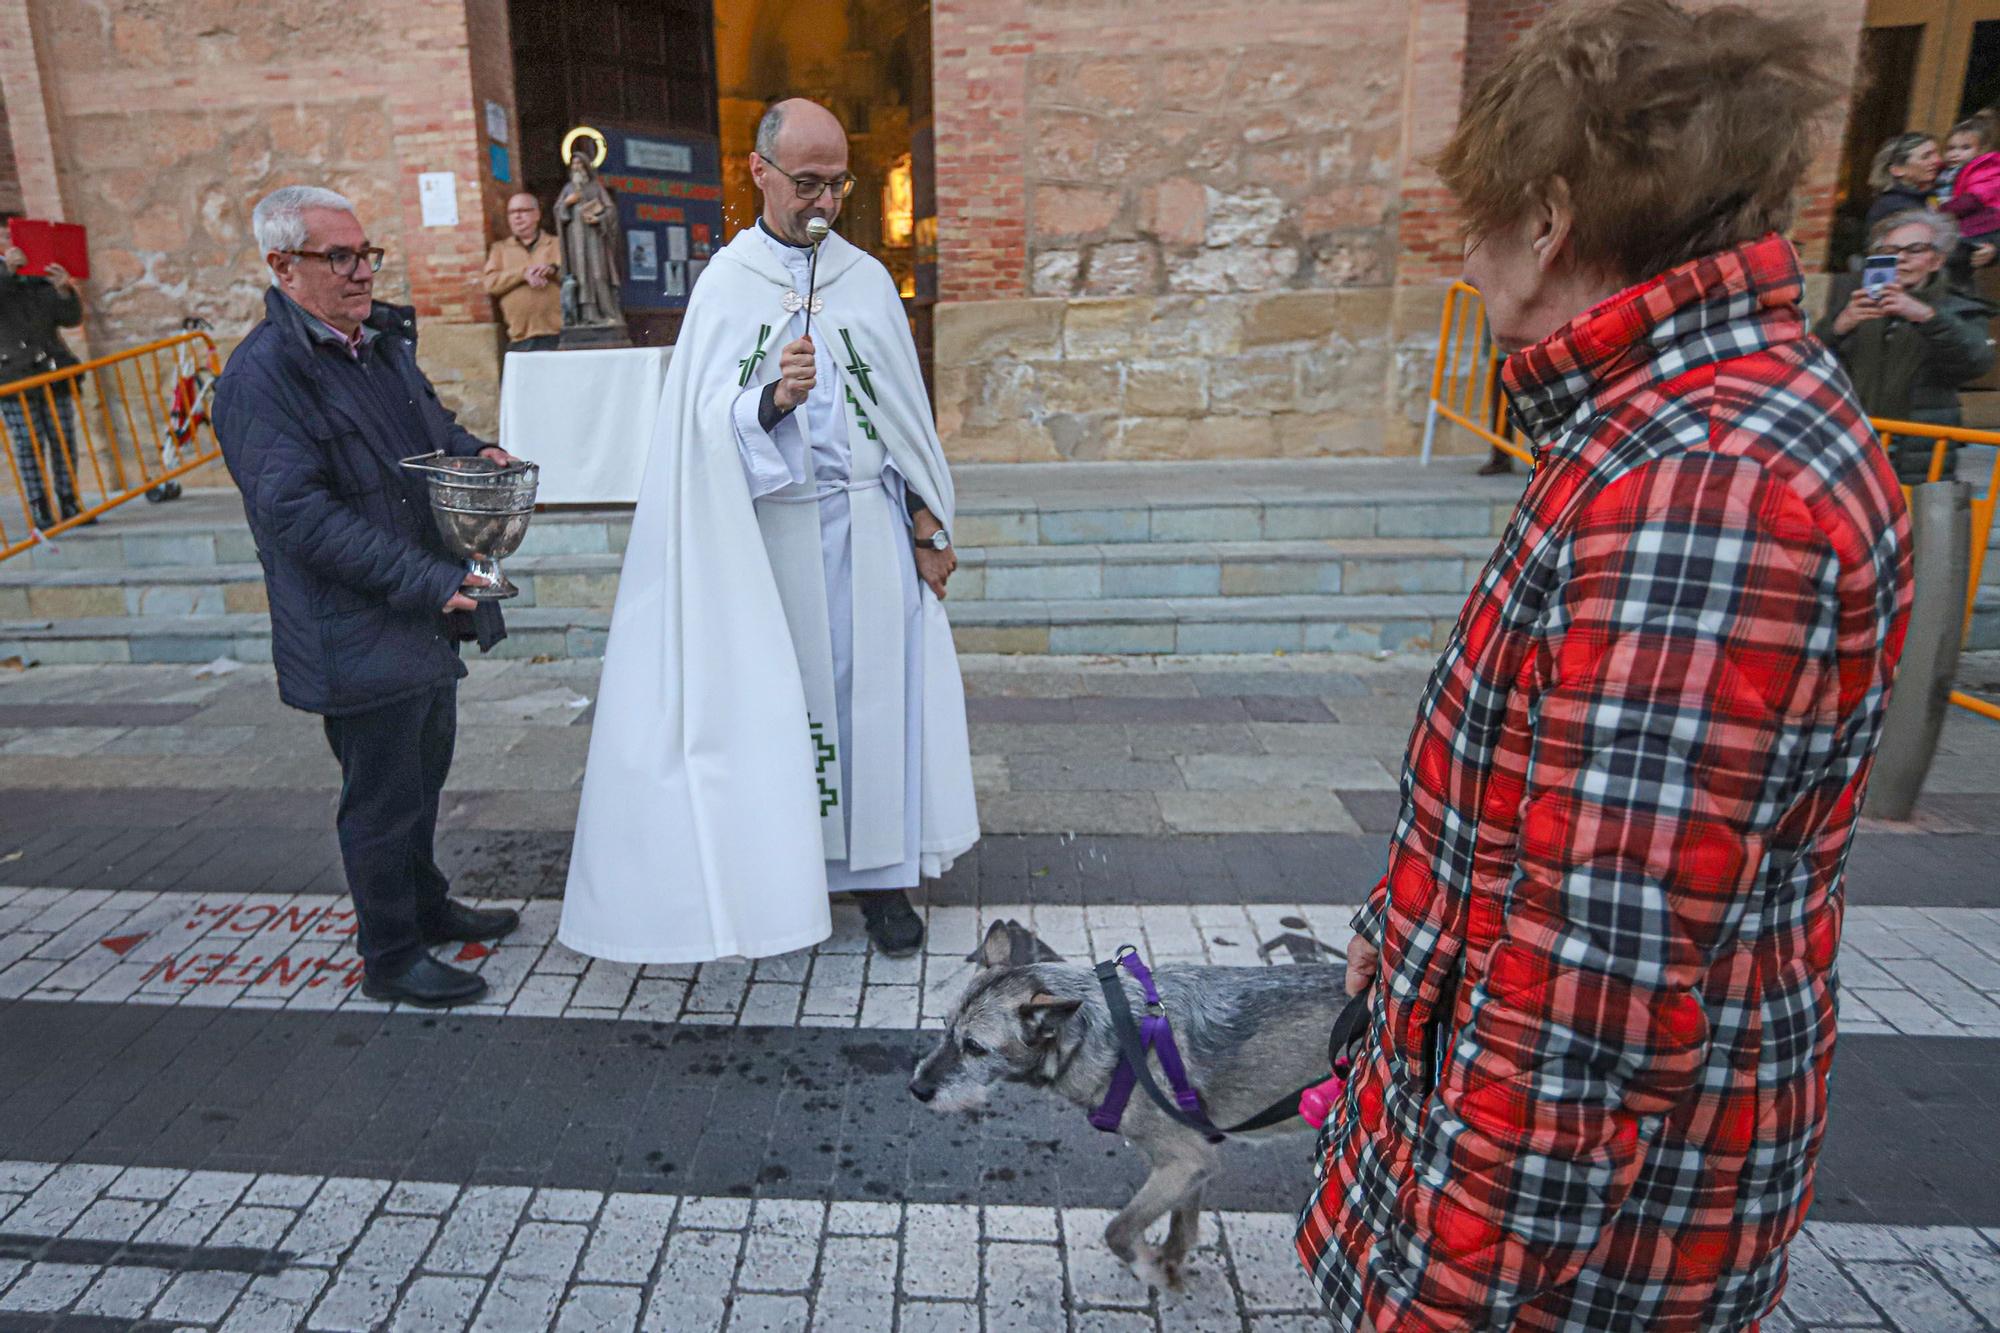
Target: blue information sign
x,y
669,190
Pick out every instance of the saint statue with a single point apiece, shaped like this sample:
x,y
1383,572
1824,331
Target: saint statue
x,y
587,221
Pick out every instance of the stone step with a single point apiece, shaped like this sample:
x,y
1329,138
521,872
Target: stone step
x,y
1184,625
1075,504
1004,573
1337,623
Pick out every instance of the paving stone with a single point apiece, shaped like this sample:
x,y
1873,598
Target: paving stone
x,y
334,1219
145,1182
201,1298
437,1305
518,1305
938,1317
768,1314
111,1219
1025,1224
1024,1287
124,1293
418,1196
846,1218
782,1252
63,1196
47,1287
947,1240
599,1310
628,1238
692,1293
476,1233
724,1214
1266,1260
545,1250
1911,1295
253,1228
565,1205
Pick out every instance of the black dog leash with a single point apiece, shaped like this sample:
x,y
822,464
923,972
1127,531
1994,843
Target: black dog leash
x,y
1187,1111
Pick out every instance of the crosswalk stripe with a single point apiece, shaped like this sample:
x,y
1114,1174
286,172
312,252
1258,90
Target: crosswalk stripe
x,y
1904,970
356,1253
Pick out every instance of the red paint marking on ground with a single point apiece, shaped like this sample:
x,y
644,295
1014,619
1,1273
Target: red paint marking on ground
x,y
123,944
472,953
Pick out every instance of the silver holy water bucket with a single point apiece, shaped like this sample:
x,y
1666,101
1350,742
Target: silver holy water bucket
x,y
482,509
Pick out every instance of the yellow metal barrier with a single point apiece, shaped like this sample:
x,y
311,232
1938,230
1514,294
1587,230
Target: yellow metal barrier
x,y
1465,381
116,427
1465,390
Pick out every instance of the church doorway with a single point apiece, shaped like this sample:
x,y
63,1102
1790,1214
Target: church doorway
x,y
700,72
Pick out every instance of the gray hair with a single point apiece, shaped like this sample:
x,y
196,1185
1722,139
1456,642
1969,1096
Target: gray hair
x,y
767,132
1944,230
279,218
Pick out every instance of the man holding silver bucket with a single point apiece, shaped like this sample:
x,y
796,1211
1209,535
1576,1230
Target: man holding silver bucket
x,y
316,410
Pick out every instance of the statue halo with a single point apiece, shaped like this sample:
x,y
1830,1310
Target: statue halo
x,y
581,132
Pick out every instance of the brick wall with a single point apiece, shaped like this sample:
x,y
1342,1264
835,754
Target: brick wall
x,y
174,119
1490,28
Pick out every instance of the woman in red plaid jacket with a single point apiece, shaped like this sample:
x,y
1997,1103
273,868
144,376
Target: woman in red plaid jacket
x,y
1602,960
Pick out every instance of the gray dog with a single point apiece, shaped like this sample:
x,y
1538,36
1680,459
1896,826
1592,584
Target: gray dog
x,y
1248,1035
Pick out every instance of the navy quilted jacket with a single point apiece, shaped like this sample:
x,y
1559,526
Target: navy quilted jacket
x,y
356,572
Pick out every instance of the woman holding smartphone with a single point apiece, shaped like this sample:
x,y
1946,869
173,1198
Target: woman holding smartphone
x,y
1906,336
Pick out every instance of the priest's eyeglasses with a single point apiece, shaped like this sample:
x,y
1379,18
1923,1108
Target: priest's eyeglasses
x,y
342,260
811,187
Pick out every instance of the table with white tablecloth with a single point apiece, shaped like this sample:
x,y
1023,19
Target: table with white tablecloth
x,y
586,417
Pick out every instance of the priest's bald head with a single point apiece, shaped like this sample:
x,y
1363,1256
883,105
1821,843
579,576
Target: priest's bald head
x,y
800,166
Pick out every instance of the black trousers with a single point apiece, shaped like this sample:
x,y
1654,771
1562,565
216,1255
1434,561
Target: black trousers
x,y
393,763
541,342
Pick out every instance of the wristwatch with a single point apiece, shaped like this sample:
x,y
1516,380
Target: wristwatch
x,y
937,541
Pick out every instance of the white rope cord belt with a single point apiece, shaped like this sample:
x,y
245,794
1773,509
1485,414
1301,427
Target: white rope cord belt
x,y
814,497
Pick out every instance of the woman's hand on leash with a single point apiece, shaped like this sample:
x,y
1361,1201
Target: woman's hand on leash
x,y
1363,961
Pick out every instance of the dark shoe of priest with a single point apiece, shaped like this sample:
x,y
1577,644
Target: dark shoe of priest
x,y
892,923
427,984
469,925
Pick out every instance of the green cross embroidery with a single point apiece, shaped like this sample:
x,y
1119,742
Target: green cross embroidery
x,y
860,417
748,365
858,368
824,753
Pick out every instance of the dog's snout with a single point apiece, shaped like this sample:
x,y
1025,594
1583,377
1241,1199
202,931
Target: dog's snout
x,y
922,1090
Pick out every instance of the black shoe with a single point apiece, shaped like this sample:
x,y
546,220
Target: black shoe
x,y
427,984
70,509
468,925
45,518
892,923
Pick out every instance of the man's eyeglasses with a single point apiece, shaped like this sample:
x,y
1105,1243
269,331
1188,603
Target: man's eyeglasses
x,y
811,187
342,260
1905,251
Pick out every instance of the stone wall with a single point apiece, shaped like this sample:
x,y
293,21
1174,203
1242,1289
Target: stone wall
x,y
1209,203
1206,228
167,122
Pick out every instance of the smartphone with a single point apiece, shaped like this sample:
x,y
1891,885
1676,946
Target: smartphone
x,y
1878,274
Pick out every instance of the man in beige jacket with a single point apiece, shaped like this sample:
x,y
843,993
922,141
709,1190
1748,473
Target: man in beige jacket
x,y
524,274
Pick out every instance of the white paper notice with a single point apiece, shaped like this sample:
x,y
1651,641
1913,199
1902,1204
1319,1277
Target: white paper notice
x,y
496,122
437,192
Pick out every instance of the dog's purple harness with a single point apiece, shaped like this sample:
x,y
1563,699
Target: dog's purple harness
x,y
1152,1034
1155,1035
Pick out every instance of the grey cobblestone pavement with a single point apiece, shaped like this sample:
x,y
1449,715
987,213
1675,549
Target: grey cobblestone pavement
x,y
204,1126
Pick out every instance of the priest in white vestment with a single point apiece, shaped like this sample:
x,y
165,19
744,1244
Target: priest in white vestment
x,y
781,714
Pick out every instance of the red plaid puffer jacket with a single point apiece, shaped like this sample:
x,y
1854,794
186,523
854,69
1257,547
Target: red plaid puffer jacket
x,y
1626,806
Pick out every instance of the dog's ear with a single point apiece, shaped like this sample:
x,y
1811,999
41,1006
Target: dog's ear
x,y
998,948
1044,1015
